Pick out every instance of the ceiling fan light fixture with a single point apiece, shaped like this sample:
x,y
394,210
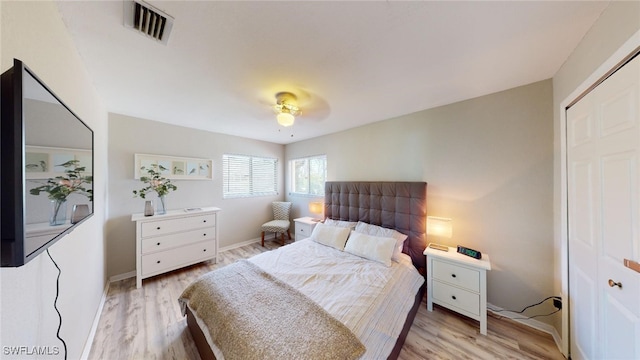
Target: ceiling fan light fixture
x,y
285,119
286,108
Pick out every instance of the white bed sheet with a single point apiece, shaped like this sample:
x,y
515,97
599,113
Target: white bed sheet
x,y
371,299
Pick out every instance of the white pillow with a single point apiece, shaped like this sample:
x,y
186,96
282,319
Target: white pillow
x,y
340,223
371,247
333,236
375,230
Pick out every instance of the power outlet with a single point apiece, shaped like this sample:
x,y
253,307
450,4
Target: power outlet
x,y
557,302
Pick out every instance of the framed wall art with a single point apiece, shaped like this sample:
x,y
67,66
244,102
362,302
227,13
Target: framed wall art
x,y
174,167
43,162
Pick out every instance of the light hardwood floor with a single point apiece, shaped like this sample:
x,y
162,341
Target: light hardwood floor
x,y
146,323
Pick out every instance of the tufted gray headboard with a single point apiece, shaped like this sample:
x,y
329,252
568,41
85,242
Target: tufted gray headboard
x,y
396,205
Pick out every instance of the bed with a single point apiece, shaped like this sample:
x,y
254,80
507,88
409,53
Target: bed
x,y
319,297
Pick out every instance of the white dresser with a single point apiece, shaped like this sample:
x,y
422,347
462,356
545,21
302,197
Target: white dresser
x,y
304,227
458,282
174,240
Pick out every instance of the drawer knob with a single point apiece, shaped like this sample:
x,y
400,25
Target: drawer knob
x,y
204,220
453,275
158,262
613,284
453,297
158,228
204,250
158,244
204,234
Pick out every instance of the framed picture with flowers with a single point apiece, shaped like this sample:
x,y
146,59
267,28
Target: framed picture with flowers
x,y
174,167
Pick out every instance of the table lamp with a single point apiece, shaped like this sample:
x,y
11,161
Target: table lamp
x,y
316,208
440,227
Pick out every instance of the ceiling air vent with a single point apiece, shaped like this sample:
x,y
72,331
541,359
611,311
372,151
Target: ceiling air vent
x,y
147,20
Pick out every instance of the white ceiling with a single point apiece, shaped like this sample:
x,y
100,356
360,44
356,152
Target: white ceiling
x,y
350,63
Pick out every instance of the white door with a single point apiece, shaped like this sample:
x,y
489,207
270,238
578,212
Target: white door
x,y
603,160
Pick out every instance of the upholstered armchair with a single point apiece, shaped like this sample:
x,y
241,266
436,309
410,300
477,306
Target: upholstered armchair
x,y
280,223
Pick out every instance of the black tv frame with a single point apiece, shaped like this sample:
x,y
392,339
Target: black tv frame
x,y
12,168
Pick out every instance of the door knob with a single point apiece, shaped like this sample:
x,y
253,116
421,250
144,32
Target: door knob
x,y
613,284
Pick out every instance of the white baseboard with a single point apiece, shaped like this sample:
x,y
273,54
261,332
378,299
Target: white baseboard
x,y
119,277
538,325
94,327
237,245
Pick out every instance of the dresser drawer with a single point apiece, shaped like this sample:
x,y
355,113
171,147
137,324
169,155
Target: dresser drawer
x,y
162,261
457,275
159,243
456,297
168,226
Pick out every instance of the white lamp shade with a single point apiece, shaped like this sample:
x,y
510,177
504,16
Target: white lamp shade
x,y
285,119
315,207
437,226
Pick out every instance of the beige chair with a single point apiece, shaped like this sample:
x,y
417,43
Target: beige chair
x,y
280,223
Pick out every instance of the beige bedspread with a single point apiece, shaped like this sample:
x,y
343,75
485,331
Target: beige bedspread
x,y
252,315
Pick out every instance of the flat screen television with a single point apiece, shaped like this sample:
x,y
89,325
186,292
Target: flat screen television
x,y
46,170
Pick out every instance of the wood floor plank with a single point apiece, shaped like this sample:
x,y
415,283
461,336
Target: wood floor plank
x,y
146,324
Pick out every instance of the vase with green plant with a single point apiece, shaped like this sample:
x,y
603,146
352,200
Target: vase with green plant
x,y
154,181
60,187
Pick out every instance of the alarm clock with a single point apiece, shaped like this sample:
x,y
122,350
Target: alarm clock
x,y
469,252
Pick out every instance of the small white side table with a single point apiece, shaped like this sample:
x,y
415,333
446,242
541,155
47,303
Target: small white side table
x,y
459,283
304,227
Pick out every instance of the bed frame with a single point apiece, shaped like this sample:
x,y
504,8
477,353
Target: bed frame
x,y
396,205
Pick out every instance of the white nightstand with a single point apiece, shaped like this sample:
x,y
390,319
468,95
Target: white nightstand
x,y
304,227
458,282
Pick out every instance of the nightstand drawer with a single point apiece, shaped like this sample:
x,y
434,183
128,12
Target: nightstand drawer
x,y
456,297
303,230
456,275
304,227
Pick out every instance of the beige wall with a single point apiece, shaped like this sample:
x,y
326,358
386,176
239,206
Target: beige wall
x,y
34,33
615,26
488,163
240,218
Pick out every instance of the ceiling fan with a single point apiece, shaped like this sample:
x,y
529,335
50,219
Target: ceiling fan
x,y
292,104
286,108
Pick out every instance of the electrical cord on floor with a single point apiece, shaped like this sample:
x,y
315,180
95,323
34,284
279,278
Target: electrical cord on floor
x,y
534,316
530,306
55,304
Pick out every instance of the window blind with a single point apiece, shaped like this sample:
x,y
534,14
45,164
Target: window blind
x,y
245,176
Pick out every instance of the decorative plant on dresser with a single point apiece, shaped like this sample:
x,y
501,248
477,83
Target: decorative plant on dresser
x,y
174,240
154,181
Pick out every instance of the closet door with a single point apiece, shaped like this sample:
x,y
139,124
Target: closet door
x,y
603,160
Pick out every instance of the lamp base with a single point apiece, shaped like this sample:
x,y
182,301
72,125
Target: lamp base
x,y
438,247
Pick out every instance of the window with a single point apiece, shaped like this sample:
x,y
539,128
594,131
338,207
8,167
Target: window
x,y
308,175
248,176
